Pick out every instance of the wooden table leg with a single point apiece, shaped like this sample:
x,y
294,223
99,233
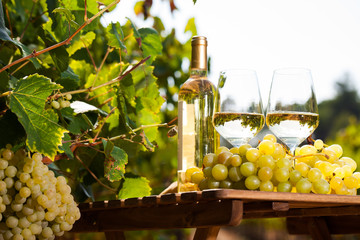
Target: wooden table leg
x,y
206,233
114,235
318,229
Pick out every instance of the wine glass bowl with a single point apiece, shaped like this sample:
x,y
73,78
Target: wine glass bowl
x,y
292,112
238,113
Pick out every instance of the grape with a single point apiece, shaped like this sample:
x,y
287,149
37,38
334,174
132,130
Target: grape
x,y
235,160
221,149
314,175
325,168
307,149
219,172
12,222
350,181
252,182
350,162
321,186
284,187
267,186
266,161
188,173
279,151
63,104
55,104
357,175
234,150
224,158
267,147
337,149
68,96
318,144
347,170
303,186
31,198
225,184
265,174
282,175
302,167
243,149
7,154
270,137
247,169
209,160
332,157
284,163
207,171
339,172
252,154
234,174
212,183
196,177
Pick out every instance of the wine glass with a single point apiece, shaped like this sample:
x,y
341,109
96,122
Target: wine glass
x,y
238,114
292,112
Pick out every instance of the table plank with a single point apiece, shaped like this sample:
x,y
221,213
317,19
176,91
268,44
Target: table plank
x,y
280,196
164,216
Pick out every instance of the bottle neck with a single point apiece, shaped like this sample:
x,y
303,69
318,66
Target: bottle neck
x,y
198,72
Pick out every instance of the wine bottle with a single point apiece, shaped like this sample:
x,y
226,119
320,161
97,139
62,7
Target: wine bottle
x,y
196,134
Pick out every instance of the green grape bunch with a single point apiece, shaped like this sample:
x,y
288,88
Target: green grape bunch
x,y
60,103
315,168
34,204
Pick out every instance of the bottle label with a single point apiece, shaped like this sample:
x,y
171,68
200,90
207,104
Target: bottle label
x,y
186,135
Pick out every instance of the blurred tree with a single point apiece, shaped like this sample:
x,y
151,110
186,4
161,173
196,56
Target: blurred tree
x,y
335,113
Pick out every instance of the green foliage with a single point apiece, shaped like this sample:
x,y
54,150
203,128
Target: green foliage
x,y
335,113
116,158
27,101
349,139
110,135
134,186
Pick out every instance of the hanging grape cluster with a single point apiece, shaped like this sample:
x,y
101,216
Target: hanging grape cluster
x,y
34,204
60,103
315,168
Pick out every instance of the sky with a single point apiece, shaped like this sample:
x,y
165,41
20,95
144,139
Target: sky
x,y
264,35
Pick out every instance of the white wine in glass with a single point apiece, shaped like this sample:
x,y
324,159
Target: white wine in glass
x,y
238,113
292,112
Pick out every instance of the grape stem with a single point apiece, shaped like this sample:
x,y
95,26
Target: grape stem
x,y
91,89
312,155
65,42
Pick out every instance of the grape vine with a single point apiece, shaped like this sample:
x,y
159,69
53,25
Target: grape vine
x,y
85,96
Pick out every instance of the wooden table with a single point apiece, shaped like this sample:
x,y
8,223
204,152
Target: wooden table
x,y
314,214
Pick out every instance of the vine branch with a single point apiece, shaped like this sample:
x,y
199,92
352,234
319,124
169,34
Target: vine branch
x,y
93,175
65,42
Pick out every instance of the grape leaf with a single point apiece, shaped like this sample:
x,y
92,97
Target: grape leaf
x,y
66,146
85,39
92,6
150,43
115,161
68,15
5,37
3,30
27,101
190,26
134,186
59,55
115,36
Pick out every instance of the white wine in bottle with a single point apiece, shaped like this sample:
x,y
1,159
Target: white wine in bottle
x,y
196,134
